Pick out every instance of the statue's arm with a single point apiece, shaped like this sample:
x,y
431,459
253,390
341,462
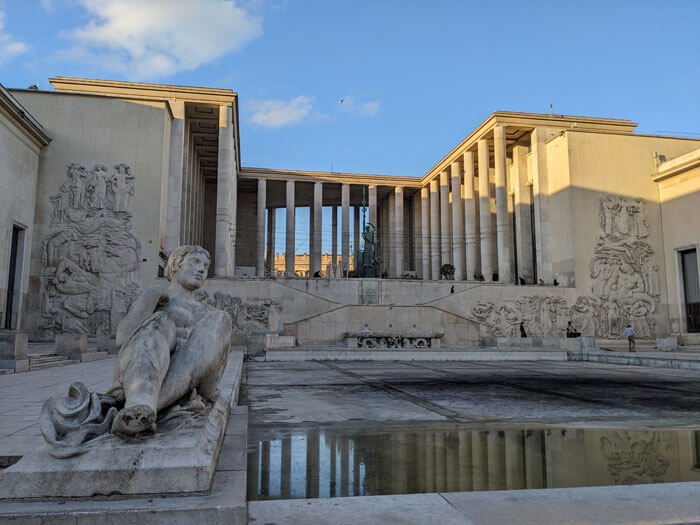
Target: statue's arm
x,y
140,309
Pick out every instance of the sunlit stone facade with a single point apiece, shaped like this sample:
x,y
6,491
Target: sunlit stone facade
x,y
534,219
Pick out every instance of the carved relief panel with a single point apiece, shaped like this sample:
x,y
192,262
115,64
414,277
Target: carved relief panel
x,y
625,285
90,258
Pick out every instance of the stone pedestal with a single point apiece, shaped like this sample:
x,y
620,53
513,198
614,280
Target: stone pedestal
x,y
72,345
179,459
279,341
667,344
13,351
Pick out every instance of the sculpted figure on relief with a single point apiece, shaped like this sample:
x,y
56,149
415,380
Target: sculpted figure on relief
x,y
625,285
90,256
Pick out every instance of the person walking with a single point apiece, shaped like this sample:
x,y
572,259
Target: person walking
x,y
629,333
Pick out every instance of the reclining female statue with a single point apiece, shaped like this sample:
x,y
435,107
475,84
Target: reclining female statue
x,y
170,344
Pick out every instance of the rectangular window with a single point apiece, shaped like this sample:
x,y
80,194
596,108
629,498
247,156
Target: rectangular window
x,y
691,289
14,278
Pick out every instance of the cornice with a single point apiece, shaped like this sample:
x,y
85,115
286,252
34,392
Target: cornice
x,y
331,177
15,111
142,90
527,120
677,166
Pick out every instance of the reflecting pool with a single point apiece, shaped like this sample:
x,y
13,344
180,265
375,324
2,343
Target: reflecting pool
x,y
333,462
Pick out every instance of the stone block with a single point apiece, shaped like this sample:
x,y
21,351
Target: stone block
x,y
435,342
108,344
72,345
351,342
279,341
13,346
587,342
667,344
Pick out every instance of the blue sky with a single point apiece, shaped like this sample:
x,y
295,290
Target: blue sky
x,y
415,76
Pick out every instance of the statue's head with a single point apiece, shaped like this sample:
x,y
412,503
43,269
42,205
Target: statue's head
x,y
188,266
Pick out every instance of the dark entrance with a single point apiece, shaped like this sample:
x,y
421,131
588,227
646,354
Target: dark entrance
x,y
691,288
14,278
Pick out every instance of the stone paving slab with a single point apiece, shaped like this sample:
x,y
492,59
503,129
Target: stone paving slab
x,y
24,394
528,392
620,505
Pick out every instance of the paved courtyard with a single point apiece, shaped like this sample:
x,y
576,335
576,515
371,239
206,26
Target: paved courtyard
x,y
293,393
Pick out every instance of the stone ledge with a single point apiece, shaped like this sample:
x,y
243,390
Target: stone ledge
x,y
652,503
428,354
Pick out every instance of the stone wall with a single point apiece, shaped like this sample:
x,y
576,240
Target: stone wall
x,y
19,164
99,217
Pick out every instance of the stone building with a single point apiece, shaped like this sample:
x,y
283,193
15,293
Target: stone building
x,y
538,219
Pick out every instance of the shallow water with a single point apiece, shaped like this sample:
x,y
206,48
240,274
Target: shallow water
x,y
333,462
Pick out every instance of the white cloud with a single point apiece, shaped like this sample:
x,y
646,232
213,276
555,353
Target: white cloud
x,y
9,47
278,113
155,38
362,109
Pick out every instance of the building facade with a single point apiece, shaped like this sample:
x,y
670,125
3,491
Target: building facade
x,y
536,219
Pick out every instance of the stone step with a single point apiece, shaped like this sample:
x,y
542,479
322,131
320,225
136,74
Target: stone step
x,y
48,361
94,356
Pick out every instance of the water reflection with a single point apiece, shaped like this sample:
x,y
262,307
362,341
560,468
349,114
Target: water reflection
x,y
323,463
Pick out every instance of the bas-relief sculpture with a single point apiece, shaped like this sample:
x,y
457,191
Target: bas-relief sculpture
x,y
90,257
247,319
396,342
173,351
636,457
625,285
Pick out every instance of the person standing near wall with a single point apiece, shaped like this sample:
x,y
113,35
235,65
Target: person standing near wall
x,y
629,333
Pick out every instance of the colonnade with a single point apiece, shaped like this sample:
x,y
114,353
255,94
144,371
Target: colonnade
x,y
400,463
315,227
463,216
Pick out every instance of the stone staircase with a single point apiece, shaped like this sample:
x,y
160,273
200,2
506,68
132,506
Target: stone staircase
x,y
48,361
38,362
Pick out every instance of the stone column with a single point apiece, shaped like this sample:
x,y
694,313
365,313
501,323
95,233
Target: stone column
x,y
373,205
445,244
465,460
495,443
541,195
505,274
177,157
434,230
355,235
523,224
515,459
334,236
399,231
485,212
260,255
291,231
271,226
311,241
391,236
318,228
457,221
480,466
224,258
425,230
471,231
345,240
